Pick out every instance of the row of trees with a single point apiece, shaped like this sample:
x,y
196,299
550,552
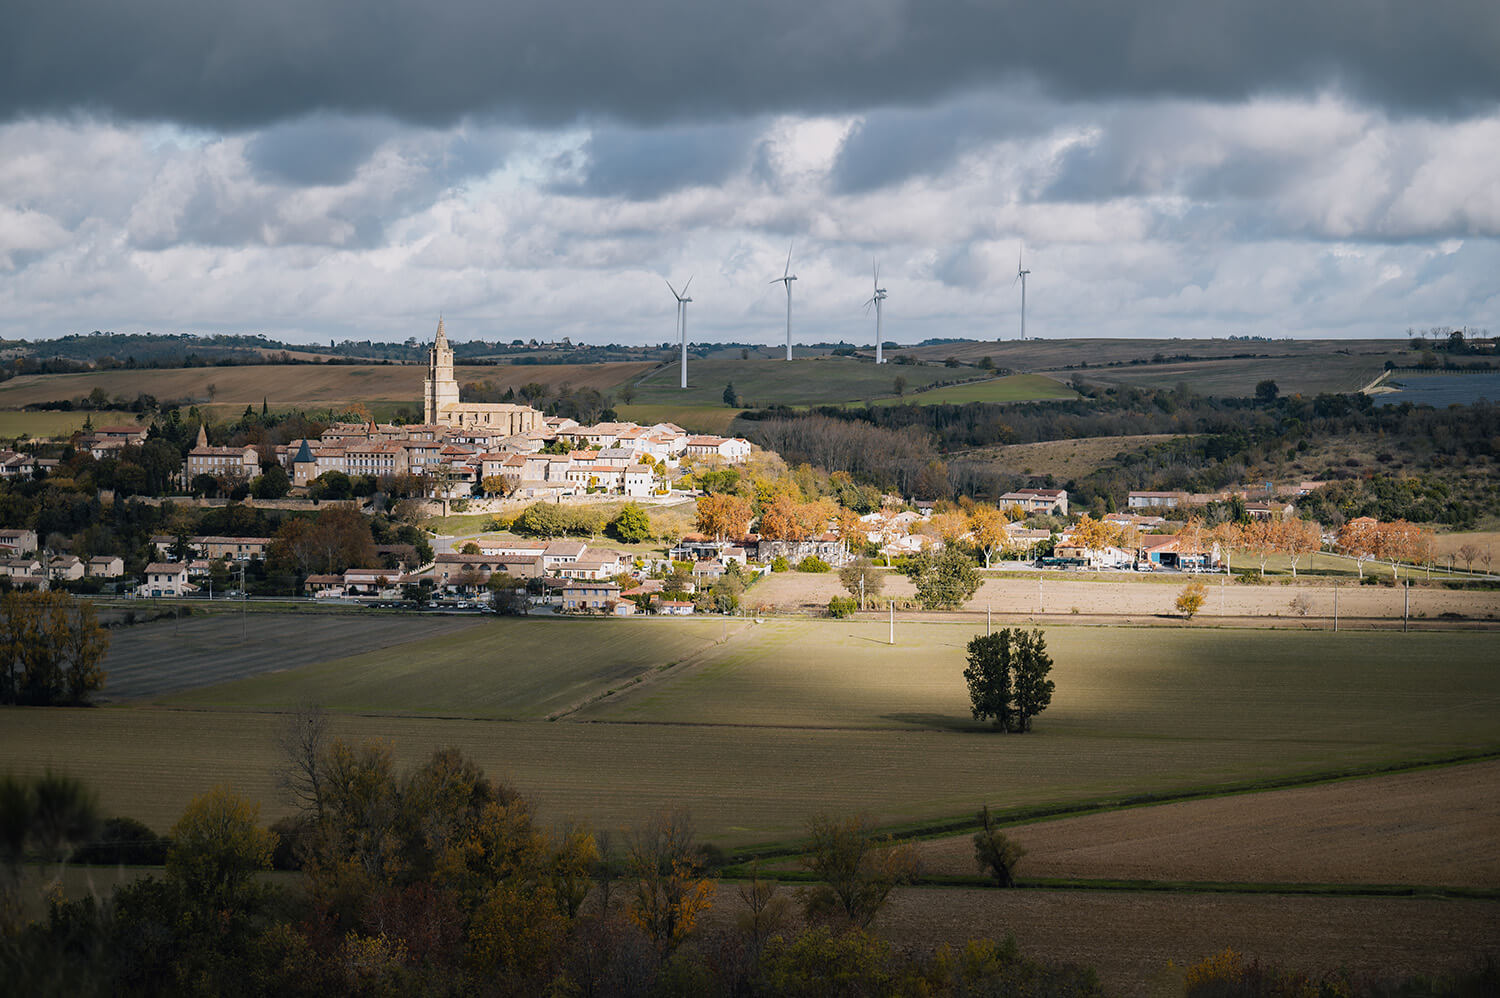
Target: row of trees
x,y
51,649
439,880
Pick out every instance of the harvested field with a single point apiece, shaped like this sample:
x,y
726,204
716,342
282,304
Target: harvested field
x,y
14,423
164,657
1260,686
1433,827
1065,459
762,382
1128,597
1129,938
505,668
301,384
1012,388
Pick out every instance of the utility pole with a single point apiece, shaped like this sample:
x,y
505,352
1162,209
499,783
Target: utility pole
x,y
988,627
1039,607
1335,606
893,622
242,601
861,589
1405,605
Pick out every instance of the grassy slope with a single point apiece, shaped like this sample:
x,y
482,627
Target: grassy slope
x,y
825,380
492,670
693,418
306,385
884,730
1064,458
57,424
1014,388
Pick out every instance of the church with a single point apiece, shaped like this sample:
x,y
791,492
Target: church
x,y
441,407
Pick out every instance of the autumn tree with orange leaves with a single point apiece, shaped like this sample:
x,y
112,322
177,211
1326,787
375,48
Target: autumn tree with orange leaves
x,y
723,515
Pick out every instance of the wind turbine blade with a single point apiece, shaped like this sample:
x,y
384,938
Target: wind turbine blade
x,y
788,269
672,289
686,286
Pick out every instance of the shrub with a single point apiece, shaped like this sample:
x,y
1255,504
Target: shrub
x,y
780,564
812,563
124,841
841,606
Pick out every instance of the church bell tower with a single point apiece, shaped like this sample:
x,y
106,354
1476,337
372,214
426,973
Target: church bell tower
x,y
440,390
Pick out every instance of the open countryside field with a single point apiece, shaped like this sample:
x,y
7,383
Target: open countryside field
x,y
793,718
1065,459
14,423
762,382
1130,937
1268,686
492,669
308,385
1300,374
152,660
1129,597
693,418
1433,827
1012,388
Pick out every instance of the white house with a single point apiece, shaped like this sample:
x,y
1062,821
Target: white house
x,y
165,579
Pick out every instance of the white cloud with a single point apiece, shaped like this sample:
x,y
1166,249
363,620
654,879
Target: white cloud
x,y
1277,216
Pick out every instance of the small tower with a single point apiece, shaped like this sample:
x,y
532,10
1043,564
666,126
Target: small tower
x,y
304,465
202,435
440,390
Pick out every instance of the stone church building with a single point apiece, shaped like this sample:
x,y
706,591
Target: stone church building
x,y
440,404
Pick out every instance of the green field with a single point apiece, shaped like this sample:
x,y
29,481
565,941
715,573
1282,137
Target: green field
x,y
763,382
496,669
1299,374
1013,388
693,418
16,423
790,718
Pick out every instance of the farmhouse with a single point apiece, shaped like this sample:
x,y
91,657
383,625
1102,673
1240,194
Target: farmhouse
x,y
1156,500
165,579
16,542
590,596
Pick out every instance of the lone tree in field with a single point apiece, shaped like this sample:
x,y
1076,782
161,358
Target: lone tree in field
x,y
863,580
1007,677
1191,599
945,582
995,854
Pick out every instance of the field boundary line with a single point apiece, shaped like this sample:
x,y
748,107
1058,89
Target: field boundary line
x,y
654,674
1036,814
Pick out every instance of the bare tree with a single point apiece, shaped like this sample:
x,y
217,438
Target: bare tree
x,y
300,743
1469,553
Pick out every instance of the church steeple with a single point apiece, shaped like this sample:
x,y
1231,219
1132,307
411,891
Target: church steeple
x,y
202,435
440,390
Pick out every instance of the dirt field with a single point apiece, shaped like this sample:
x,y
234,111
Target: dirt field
x,y
164,657
1064,458
1144,601
308,385
1129,938
1431,827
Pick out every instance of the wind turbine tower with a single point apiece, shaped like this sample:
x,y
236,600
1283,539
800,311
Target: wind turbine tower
x,y
875,299
1021,273
682,304
787,278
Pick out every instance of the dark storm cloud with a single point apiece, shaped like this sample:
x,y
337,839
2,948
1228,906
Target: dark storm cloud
x,y
641,165
317,150
232,64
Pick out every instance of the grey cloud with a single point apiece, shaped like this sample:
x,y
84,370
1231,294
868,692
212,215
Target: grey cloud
x,y
230,64
644,164
316,150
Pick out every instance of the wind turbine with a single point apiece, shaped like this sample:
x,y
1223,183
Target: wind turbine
x,y
875,299
1021,273
787,278
682,304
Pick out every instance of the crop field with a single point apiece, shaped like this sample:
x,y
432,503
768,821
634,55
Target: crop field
x,y
1012,388
791,718
15,423
1126,597
1304,375
301,384
1271,687
1063,458
759,382
1433,827
1130,937
693,418
163,657
491,669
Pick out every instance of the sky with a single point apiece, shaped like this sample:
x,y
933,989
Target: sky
x,y
334,169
